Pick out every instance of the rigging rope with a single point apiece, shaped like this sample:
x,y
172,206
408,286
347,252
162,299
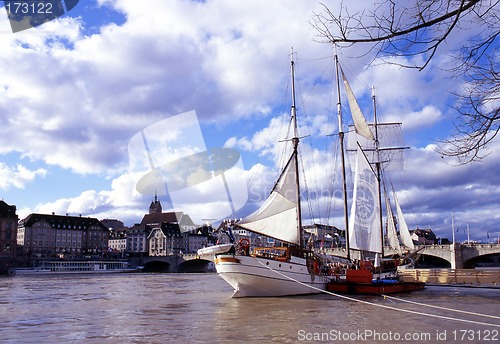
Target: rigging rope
x,y
380,305
313,195
439,307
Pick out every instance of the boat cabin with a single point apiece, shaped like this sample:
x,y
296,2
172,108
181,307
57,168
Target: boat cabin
x,y
277,253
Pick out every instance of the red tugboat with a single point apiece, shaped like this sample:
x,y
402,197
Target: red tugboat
x,y
365,281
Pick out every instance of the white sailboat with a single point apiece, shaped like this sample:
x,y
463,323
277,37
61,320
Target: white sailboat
x,y
377,149
276,271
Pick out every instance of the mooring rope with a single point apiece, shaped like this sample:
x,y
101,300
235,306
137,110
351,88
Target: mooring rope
x,y
439,307
380,305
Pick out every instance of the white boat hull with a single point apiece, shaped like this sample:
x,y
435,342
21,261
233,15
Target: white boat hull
x,y
260,277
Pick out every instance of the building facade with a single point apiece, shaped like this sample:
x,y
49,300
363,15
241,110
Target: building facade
x,y
157,242
8,235
117,243
137,240
8,230
423,236
166,240
62,236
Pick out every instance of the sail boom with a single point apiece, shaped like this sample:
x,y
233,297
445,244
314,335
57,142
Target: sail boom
x,y
380,149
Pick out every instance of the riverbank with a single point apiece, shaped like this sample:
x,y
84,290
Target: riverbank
x,y
484,277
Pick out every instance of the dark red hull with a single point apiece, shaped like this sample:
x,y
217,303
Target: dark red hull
x,y
373,288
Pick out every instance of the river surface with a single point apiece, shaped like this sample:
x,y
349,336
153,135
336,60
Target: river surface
x,y
198,308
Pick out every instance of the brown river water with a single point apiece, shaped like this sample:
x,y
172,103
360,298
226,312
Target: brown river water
x,y
198,308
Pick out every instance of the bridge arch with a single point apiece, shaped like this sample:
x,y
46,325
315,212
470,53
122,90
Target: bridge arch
x,y
463,255
196,265
432,261
156,266
485,260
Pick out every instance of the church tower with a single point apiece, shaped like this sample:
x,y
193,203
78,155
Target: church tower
x,y
155,207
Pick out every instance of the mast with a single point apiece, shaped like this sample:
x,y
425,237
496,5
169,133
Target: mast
x,y
295,142
342,155
377,169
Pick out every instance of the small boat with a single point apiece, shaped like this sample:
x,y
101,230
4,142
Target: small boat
x,y
215,249
362,282
77,267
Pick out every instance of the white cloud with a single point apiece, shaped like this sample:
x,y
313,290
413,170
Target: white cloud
x,y
75,94
121,201
75,100
18,176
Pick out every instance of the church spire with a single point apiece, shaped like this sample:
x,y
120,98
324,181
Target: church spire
x,y
155,207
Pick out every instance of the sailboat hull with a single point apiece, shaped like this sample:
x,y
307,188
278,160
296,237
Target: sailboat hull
x,y
262,277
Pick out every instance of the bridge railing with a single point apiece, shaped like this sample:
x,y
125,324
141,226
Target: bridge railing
x,y
453,276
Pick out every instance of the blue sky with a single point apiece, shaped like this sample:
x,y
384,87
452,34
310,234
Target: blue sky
x,y
75,91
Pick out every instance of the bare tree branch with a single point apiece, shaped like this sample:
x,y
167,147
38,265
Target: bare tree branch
x,y
396,29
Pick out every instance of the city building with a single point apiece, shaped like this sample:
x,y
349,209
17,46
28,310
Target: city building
x,y
324,236
157,242
137,240
199,238
165,240
423,236
175,226
62,236
8,236
117,243
8,230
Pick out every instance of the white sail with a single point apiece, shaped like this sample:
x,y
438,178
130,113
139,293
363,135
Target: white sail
x,y
403,227
392,235
360,124
277,217
364,234
390,151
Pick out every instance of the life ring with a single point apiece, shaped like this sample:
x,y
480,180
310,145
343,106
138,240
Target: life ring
x,y
245,243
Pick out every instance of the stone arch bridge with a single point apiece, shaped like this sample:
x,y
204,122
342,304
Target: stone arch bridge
x,y
176,263
459,256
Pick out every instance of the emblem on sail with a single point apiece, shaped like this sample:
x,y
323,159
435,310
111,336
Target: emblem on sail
x,y
363,221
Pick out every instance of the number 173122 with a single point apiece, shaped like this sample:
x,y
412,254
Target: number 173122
x,y
29,7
